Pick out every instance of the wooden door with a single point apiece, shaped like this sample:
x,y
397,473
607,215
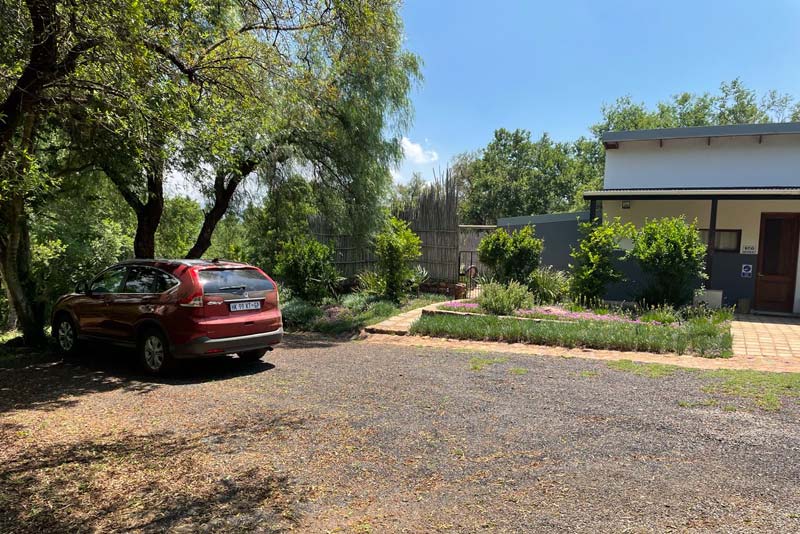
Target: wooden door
x,y
777,262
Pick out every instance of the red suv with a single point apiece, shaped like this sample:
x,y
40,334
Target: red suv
x,y
173,309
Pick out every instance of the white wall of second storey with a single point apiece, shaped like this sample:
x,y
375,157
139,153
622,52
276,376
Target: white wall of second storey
x,y
726,162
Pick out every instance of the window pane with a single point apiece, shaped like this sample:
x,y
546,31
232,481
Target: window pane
x,y
728,241
164,282
109,281
233,281
724,240
140,280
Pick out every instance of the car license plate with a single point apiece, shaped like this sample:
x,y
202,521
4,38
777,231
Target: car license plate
x,y
244,306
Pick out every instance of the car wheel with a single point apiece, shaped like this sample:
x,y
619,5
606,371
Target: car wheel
x,y
154,355
66,336
252,355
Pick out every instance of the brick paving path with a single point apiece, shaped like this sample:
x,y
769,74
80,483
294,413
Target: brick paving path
x,y
760,342
399,325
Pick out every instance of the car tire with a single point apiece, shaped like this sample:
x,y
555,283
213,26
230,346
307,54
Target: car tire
x,y
65,335
153,351
252,355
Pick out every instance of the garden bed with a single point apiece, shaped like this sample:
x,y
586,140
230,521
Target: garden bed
x,y
348,314
707,336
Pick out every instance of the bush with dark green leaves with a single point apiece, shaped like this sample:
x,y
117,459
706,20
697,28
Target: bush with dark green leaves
x,y
511,256
593,268
397,247
306,267
671,252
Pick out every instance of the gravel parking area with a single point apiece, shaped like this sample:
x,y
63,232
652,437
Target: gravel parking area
x,y
329,436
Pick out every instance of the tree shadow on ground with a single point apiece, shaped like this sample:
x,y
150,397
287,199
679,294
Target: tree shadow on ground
x,y
150,483
41,379
310,341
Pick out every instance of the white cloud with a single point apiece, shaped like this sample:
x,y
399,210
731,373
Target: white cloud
x,y
396,176
416,154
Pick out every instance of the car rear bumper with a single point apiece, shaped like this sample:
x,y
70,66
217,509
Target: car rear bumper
x,y
204,346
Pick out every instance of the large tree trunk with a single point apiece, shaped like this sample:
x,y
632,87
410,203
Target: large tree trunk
x,y
148,213
15,249
15,268
11,320
225,185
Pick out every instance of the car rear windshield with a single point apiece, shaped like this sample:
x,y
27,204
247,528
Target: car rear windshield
x,y
235,281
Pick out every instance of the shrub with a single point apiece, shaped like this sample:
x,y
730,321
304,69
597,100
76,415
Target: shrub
x,y
306,267
671,252
396,247
357,302
299,314
663,314
548,285
511,256
502,299
594,268
370,283
700,337
419,276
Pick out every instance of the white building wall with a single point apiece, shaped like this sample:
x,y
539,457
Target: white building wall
x,y
726,162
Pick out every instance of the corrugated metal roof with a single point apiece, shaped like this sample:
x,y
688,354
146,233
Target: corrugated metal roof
x,y
544,218
698,193
731,130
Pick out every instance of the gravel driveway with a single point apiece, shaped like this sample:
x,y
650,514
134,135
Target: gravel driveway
x,y
355,437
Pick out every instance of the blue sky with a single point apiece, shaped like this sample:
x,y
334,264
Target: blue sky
x,y
550,66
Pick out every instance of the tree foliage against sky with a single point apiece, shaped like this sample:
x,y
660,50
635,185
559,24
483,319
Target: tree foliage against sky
x,y
515,175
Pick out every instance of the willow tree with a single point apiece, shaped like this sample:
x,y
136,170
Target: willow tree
x,y
323,93
135,90
45,44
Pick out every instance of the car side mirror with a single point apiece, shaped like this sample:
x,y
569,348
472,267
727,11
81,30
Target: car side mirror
x,y
82,288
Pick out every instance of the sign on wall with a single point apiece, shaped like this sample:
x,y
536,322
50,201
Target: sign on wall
x,y
747,270
749,249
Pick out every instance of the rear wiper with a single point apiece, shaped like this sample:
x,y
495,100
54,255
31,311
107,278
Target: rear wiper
x,y
232,287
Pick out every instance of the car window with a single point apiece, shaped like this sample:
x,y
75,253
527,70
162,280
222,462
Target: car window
x,y
109,281
234,281
140,280
148,280
164,281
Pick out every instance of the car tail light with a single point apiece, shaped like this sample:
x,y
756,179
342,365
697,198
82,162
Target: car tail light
x,y
195,298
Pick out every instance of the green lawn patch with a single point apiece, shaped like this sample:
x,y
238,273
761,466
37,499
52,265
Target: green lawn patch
x,y
650,370
765,389
699,336
479,364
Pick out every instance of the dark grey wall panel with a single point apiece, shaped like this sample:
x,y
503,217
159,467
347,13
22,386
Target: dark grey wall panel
x,y
558,238
561,233
727,276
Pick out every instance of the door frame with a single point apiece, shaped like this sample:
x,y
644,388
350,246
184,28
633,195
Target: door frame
x,y
794,255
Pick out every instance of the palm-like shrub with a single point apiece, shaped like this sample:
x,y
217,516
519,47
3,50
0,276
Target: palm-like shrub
x,y
548,285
